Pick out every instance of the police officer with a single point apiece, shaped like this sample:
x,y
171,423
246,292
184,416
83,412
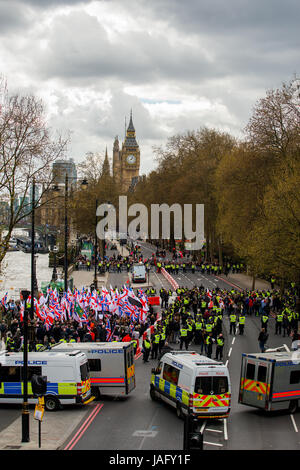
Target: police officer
x,y
242,320
209,344
184,337
134,342
198,330
232,323
162,339
155,344
278,323
264,321
220,346
10,343
146,349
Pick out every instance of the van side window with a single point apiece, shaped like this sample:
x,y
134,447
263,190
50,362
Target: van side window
x,y
84,371
94,365
10,374
250,371
295,377
262,374
171,374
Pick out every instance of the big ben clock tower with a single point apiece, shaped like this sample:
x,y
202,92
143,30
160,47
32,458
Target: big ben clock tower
x,y
130,158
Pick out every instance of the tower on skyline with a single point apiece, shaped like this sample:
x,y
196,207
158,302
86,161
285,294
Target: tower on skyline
x,y
126,160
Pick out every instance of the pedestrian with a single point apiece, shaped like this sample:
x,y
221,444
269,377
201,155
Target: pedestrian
x,y
262,339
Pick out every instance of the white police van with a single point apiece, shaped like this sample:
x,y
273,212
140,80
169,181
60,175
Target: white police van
x,y
111,366
271,380
67,377
139,273
192,384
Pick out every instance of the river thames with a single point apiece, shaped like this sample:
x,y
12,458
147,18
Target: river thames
x,y
16,272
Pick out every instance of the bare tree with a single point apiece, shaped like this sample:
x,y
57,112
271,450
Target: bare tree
x,y
27,152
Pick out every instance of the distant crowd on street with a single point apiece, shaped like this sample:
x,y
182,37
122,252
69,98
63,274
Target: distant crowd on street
x,y
197,316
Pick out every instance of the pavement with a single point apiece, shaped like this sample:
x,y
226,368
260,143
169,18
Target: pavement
x,y
245,282
56,427
84,278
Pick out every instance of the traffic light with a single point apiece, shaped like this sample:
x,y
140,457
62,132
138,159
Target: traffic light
x,y
25,294
195,441
39,385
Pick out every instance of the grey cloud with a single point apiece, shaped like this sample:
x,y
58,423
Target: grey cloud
x,y
14,17
79,48
53,3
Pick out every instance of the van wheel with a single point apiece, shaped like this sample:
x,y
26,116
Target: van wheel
x,y
96,393
153,394
179,411
51,403
293,406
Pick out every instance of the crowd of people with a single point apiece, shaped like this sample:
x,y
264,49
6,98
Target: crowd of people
x,y
93,326
197,316
187,316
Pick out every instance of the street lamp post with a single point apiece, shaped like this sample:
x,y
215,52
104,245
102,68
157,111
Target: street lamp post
x,y
66,234
25,294
25,411
84,184
54,274
96,250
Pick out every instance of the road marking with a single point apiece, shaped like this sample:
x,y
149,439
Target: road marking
x,y
226,363
229,352
144,433
84,427
233,340
212,444
214,430
294,423
203,427
225,430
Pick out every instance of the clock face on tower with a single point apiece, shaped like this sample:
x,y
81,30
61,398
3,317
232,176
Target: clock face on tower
x,y
131,159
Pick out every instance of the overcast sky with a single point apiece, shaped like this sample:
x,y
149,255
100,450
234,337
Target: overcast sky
x,y
179,65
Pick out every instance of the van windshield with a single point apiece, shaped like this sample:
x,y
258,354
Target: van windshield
x,y
211,385
84,372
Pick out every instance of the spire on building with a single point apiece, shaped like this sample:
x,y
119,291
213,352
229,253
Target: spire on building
x,y
130,140
106,166
116,143
130,125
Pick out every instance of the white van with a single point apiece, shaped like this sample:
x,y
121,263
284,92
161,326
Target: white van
x,y
271,380
192,384
139,273
67,377
111,366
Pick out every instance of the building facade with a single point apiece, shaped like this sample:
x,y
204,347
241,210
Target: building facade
x,y
126,160
51,212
